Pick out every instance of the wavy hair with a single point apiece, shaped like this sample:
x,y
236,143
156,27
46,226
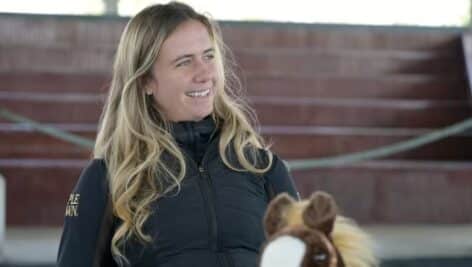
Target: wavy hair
x,y
134,135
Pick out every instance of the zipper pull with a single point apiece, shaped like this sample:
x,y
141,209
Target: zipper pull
x,y
201,169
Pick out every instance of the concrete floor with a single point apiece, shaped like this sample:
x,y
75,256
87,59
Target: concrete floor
x,y
38,246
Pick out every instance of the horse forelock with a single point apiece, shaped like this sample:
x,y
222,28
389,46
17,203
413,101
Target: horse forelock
x,y
294,214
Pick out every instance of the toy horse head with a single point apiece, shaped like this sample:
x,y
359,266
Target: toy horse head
x,y
310,234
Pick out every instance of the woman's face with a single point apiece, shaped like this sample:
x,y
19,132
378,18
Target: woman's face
x,y
183,80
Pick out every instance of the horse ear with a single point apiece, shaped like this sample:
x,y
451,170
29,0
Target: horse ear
x,y
321,212
274,217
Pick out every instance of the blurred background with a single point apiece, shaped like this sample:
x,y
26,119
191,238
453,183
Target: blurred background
x,y
368,12
326,78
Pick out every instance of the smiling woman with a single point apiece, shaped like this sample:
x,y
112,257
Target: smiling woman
x,y
177,160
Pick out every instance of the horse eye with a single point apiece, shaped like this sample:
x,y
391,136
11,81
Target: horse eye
x,y
320,257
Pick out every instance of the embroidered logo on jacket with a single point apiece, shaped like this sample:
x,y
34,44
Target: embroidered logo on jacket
x,y
72,208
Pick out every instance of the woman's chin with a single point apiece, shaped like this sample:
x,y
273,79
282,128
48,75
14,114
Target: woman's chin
x,y
201,116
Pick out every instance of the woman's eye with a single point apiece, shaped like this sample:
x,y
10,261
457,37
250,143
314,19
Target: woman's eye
x,y
183,63
209,56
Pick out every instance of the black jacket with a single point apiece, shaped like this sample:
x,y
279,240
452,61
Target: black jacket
x,y
214,220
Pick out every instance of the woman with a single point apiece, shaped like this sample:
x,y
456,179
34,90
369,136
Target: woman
x,y
180,176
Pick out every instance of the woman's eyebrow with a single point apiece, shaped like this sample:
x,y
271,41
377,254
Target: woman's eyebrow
x,y
191,55
209,50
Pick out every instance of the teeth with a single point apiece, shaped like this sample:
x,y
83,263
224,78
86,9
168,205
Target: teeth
x,y
199,93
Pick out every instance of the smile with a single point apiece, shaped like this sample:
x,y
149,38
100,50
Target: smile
x,y
198,93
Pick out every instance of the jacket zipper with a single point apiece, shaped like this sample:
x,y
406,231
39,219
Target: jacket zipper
x,y
207,193
211,207
206,189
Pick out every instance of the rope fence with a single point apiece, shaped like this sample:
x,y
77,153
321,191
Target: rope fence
x,y
301,164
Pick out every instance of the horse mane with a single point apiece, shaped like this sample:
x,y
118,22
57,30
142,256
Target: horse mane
x,y
353,244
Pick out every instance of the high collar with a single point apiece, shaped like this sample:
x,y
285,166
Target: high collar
x,y
191,132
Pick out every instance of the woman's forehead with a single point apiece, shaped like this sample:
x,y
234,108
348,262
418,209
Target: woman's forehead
x,y
190,37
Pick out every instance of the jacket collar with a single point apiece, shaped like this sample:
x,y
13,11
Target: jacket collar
x,y
189,132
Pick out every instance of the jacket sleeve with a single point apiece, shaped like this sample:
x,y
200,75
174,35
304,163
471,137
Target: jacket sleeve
x,y
279,180
88,221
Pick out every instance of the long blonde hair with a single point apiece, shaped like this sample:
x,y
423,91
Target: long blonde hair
x,y
133,133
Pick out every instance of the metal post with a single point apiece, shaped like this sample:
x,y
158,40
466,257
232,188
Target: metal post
x,y
3,207
470,13
111,7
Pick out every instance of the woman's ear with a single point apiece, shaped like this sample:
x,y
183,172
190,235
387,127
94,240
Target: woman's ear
x,y
320,212
150,85
147,92
274,219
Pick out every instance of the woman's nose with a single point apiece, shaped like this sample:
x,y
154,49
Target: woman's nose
x,y
204,72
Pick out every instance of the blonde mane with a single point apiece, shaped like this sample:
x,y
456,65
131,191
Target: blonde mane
x,y
354,245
